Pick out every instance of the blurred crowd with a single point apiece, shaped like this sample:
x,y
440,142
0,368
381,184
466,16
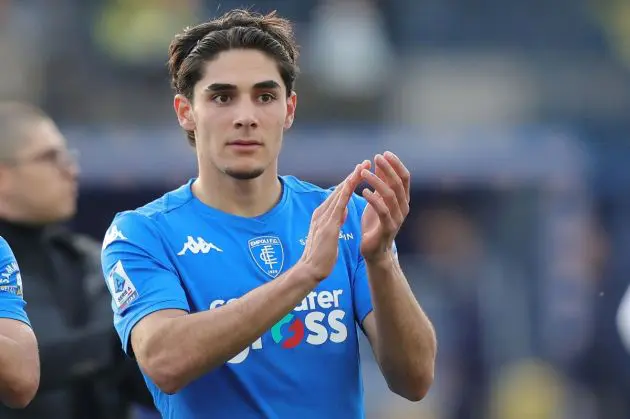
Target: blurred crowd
x,y
512,114
400,61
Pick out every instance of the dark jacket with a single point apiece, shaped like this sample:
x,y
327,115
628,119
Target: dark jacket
x,y
84,374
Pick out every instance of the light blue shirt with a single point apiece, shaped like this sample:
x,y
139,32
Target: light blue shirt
x,y
12,303
178,253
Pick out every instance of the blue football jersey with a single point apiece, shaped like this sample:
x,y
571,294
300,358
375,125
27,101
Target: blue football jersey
x,y
178,253
11,300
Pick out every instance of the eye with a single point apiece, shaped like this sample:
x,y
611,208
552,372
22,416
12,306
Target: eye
x,y
266,98
221,99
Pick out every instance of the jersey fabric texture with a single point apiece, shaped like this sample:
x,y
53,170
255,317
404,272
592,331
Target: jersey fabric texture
x,y
178,253
11,301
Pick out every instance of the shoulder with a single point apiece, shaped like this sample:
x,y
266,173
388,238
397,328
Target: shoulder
x,y
5,249
142,223
6,254
305,190
308,191
8,264
167,203
10,278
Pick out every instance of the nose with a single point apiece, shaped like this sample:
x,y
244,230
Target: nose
x,y
70,164
245,115
73,169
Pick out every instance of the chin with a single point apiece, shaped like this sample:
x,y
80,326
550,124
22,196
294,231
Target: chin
x,y
244,174
65,214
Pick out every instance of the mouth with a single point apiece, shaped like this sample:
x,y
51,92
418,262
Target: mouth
x,y
245,144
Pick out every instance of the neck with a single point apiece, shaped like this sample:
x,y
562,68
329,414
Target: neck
x,y
16,231
10,214
245,198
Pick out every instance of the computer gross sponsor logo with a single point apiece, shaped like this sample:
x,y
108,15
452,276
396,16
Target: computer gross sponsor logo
x,y
317,320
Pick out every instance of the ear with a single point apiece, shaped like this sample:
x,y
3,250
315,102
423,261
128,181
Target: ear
x,y
184,111
291,105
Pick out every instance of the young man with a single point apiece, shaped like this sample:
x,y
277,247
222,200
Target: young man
x,y
19,360
239,293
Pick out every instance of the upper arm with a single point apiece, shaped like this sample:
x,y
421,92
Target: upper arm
x,y
147,327
369,326
22,334
21,380
140,277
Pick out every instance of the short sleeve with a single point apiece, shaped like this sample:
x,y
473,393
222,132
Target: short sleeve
x,y
361,292
12,304
138,273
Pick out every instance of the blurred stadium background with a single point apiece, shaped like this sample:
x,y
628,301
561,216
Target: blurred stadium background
x,y
513,116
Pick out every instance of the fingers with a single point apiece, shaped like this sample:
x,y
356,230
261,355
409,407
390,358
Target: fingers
x,y
332,198
339,198
381,209
345,194
386,172
401,171
386,195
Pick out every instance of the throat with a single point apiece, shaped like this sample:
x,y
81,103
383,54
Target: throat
x,y
244,198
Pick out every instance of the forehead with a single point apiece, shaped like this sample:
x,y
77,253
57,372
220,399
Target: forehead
x,y
240,67
41,135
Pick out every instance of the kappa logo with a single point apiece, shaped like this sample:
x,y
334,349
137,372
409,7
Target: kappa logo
x,y
196,246
112,234
268,253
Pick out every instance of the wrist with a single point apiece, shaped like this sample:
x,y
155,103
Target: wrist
x,y
383,261
305,273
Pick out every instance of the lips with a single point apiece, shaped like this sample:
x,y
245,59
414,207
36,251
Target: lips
x,y
245,143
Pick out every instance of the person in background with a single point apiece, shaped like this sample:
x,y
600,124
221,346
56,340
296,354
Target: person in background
x,y
83,373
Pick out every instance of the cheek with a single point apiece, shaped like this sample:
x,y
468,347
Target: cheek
x,y
47,183
30,183
211,125
279,117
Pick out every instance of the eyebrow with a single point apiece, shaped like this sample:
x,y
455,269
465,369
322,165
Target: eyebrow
x,y
226,87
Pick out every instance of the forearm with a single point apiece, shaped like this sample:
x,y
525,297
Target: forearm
x,y
17,381
191,345
405,340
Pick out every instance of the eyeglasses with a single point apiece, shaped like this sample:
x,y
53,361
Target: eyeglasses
x,y
58,156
